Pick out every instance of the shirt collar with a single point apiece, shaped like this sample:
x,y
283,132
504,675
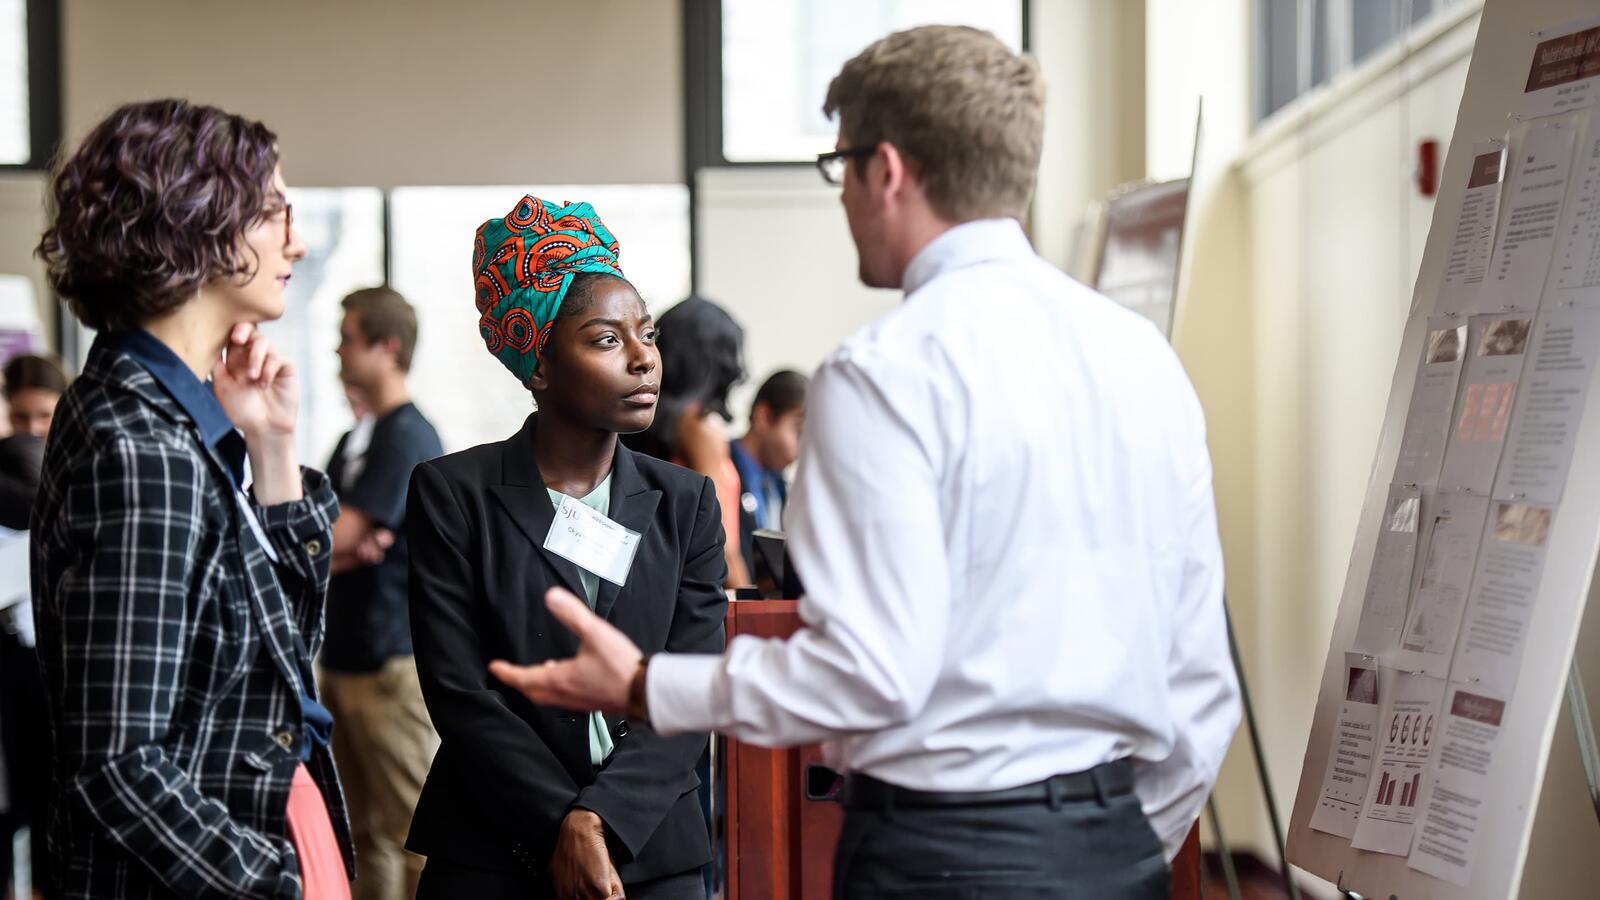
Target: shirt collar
x,y
965,245
743,460
181,385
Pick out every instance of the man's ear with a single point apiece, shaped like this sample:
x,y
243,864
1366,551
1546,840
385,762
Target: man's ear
x,y
391,345
893,177
760,417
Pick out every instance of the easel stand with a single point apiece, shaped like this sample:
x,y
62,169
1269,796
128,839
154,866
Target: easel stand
x,y
1223,850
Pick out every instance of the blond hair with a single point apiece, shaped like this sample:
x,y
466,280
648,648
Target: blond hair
x,y
966,112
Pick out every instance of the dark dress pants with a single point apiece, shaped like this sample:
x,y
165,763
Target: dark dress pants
x,y
1078,849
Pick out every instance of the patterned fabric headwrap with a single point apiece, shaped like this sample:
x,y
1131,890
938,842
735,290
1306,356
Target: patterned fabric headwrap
x,y
522,266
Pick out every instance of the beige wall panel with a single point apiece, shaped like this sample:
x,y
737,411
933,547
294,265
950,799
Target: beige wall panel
x,y
391,92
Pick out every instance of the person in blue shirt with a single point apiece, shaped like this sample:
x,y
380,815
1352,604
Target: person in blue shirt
x,y
767,449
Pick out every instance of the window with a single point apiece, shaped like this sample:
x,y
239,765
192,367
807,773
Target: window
x,y
1301,44
16,137
343,232
466,393
776,58
30,115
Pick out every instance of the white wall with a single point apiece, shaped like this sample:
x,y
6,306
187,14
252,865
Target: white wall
x,y
392,92
775,251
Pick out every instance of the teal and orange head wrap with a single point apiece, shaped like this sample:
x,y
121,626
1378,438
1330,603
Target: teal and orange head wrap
x,y
523,265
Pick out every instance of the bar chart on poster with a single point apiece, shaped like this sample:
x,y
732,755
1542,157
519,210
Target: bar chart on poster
x,y
1476,552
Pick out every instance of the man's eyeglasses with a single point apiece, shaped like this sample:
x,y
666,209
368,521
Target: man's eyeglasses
x,y
832,164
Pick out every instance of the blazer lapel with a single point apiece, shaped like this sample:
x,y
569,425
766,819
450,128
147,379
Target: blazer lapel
x,y
634,507
523,495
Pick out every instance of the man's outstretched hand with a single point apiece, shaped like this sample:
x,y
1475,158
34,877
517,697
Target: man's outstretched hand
x,y
597,678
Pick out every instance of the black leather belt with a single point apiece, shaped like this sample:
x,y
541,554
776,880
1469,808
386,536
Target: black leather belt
x,y
1112,779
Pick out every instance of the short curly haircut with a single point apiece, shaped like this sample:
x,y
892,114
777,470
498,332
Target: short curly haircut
x,y
155,203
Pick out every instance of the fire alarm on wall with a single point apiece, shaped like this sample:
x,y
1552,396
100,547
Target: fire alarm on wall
x,y
1428,167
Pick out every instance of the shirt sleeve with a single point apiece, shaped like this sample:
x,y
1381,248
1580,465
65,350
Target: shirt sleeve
x,y
1203,691
868,543
380,490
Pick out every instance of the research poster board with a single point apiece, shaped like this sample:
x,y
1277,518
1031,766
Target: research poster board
x,y
1141,248
1477,545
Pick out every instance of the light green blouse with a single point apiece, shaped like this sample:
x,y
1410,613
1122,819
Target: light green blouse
x,y
599,500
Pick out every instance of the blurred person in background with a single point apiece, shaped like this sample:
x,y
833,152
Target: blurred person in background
x,y
385,741
702,360
180,552
32,387
762,456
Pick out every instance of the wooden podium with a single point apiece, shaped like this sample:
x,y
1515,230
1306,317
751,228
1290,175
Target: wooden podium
x,y
778,844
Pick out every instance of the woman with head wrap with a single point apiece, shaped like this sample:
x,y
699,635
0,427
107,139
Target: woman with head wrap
x,y
524,800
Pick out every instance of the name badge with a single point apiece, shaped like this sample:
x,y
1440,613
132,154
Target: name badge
x,y
591,541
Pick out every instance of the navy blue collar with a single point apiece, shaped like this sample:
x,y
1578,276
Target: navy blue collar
x,y
191,394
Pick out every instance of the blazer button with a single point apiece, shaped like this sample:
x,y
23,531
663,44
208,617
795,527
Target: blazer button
x,y
622,728
314,547
285,739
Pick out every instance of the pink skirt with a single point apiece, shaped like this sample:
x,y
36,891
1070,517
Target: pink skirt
x,y
322,874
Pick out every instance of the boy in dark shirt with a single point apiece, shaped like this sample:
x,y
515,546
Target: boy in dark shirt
x,y
384,741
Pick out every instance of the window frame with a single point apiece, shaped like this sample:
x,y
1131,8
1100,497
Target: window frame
x,y
702,79
44,86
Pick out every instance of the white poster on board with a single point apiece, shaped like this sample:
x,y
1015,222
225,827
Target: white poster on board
x,y
1344,784
1433,398
1564,74
1403,764
1454,529
1498,345
1468,259
1383,612
1549,407
1455,811
1510,564
1540,164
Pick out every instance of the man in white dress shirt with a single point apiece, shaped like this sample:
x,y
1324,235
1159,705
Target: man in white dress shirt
x,y
1014,638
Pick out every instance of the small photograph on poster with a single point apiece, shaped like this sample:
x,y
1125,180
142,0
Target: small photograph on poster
x,y
1444,345
1520,523
1505,337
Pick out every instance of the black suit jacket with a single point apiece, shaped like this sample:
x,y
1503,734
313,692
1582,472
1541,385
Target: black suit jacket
x,y
508,771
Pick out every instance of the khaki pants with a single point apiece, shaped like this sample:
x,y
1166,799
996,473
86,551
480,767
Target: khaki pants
x,y
383,744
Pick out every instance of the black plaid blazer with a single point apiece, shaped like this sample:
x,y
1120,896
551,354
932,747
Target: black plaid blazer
x,y
169,648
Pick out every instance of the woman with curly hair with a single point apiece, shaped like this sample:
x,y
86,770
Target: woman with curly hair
x,y
178,598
